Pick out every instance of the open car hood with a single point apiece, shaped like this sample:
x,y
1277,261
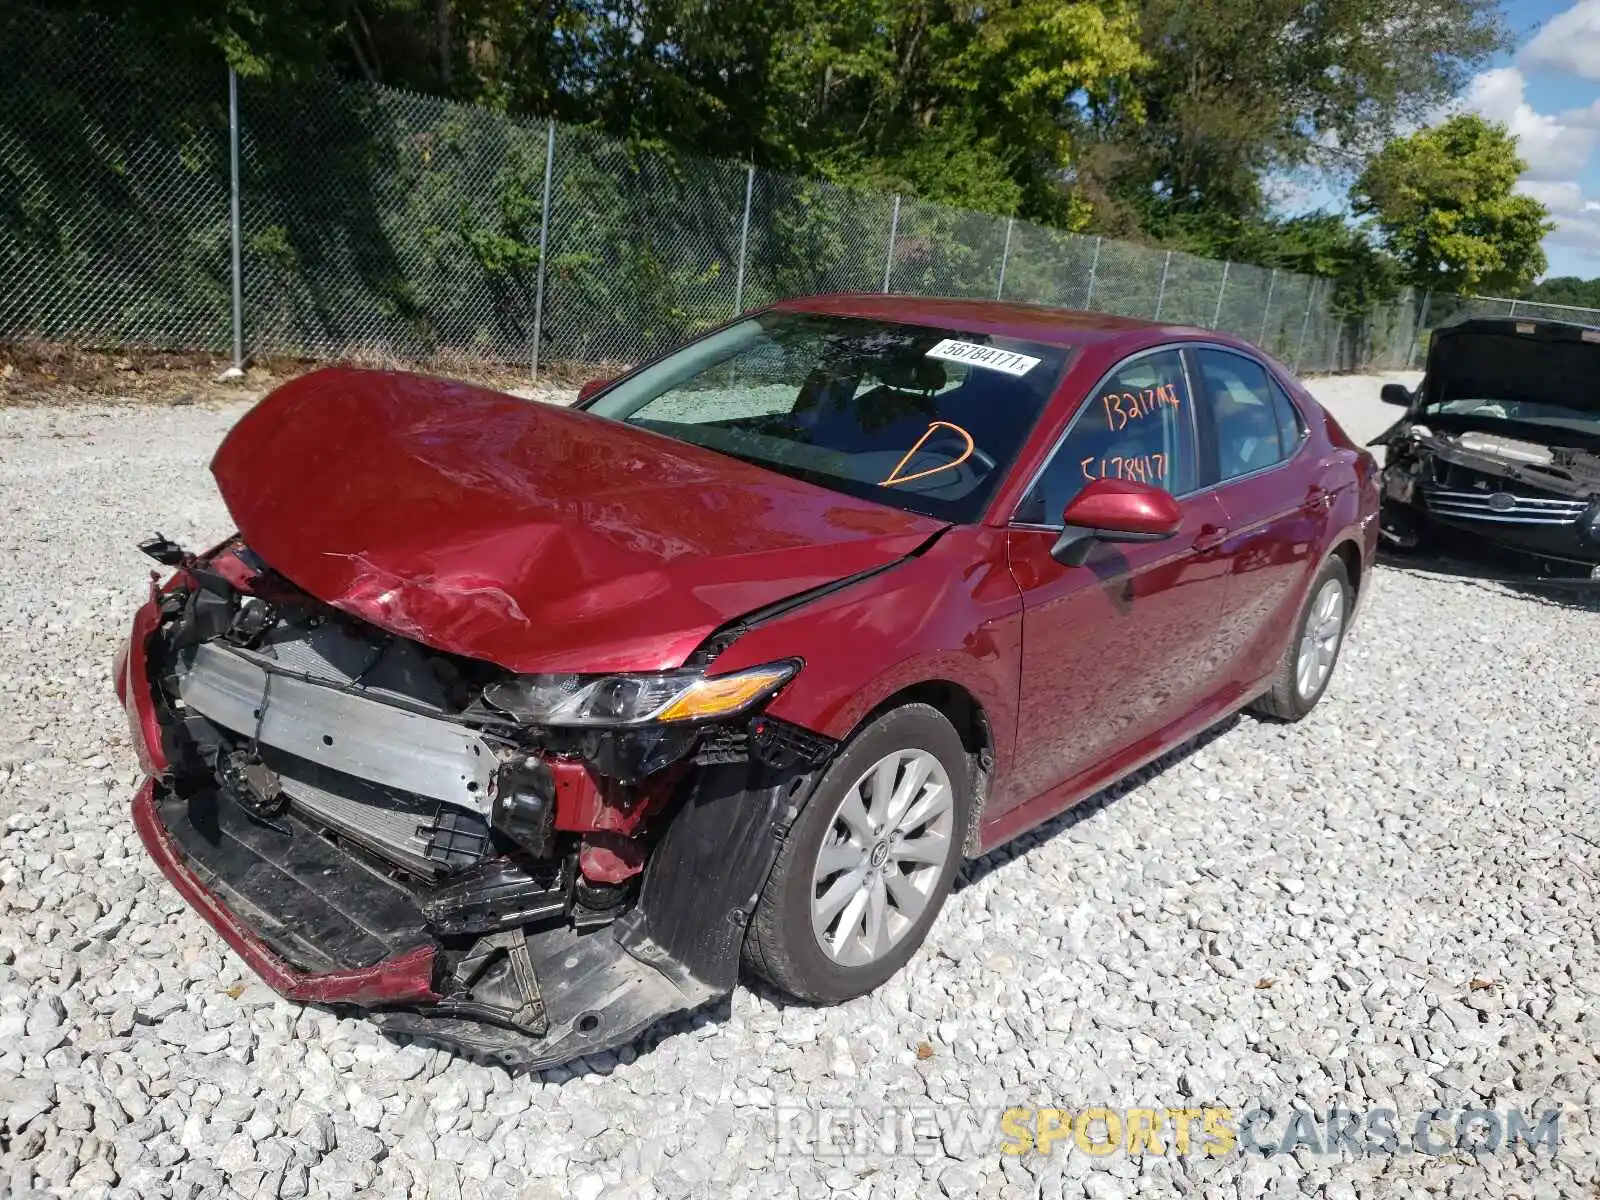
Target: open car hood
x,y
525,534
1514,360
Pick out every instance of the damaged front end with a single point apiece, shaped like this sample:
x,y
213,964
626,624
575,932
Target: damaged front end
x,y
525,867
1499,448
1537,501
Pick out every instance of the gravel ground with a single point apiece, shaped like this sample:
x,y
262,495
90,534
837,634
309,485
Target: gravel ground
x,y
1392,903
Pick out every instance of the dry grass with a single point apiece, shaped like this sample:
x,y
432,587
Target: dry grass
x,y
49,374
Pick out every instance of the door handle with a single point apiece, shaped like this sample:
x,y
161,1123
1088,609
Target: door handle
x,y
1209,538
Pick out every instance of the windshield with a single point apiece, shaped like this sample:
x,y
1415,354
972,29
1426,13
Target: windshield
x,y
1524,412
914,416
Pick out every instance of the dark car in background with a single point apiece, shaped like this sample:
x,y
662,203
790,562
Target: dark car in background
x,y
521,726
1499,448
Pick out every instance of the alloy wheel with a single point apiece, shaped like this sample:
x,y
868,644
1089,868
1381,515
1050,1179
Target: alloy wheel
x,y
1319,644
882,857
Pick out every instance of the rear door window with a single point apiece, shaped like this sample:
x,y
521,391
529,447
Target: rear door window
x,y
1254,425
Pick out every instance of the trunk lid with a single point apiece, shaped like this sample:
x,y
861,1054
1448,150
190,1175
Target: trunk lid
x,y
526,534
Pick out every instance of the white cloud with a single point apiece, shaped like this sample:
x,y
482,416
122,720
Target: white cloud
x,y
1552,148
1581,233
1559,196
1557,148
1569,42
1584,118
1563,197
1576,216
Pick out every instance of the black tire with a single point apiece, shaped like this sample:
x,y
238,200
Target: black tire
x,y
1283,700
780,945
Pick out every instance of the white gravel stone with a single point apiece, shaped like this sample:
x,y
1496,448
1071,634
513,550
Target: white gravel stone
x,y
1392,902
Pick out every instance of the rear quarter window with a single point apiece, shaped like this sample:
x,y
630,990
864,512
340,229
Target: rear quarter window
x,y
1291,425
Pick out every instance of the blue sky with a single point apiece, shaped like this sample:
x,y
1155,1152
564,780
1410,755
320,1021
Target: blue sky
x,y
1547,91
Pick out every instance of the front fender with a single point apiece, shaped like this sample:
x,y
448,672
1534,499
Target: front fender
x,y
951,614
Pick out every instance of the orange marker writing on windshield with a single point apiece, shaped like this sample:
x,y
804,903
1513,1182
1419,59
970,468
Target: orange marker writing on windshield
x,y
895,477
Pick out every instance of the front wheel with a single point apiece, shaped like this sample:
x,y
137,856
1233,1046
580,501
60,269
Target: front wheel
x,y
869,861
1309,658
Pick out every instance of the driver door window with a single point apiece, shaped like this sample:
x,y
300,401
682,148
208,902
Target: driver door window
x,y
1137,425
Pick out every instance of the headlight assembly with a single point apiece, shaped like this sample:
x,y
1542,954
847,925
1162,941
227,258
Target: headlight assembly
x,y
610,701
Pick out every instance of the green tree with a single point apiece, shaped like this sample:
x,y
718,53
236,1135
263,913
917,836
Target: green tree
x,y
1444,203
972,105
1233,90
977,105
1566,289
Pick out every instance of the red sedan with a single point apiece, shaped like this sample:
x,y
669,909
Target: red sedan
x,y
521,727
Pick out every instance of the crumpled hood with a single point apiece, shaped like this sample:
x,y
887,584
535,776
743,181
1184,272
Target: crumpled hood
x,y
526,534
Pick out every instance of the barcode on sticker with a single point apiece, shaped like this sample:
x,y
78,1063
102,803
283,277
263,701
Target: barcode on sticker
x,y
990,357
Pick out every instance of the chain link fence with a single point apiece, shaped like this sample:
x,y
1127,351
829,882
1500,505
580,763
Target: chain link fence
x,y
113,189
380,224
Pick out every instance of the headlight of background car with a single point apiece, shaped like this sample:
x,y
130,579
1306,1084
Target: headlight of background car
x,y
668,697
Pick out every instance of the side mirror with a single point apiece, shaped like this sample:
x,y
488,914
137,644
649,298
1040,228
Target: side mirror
x,y
590,388
1114,510
1395,393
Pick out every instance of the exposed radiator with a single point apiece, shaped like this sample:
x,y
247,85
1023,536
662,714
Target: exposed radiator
x,y
397,834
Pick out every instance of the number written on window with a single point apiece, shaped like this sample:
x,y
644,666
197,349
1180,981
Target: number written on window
x,y
1122,407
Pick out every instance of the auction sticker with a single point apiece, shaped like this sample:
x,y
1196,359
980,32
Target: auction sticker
x,y
990,357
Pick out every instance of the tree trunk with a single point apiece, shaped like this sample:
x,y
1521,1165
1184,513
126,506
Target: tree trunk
x,y
441,32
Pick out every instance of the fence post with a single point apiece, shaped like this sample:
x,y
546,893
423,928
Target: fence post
x,y
1216,316
1513,311
1418,326
744,239
1266,313
1005,257
233,222
544,243
1094,266
888,255
1161,292
1305,324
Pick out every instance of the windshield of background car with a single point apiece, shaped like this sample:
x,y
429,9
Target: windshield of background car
x,y
1544,378
1524,412
919,417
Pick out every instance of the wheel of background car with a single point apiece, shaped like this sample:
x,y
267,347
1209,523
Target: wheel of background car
x,y
1313,651
869,861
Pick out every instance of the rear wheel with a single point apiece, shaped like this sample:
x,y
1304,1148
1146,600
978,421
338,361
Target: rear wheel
x,y
1309,658
869,861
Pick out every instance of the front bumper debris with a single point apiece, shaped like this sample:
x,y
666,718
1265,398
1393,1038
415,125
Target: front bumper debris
x,y
491,958
405,977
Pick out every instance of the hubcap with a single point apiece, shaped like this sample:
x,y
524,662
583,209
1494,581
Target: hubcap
x,y
882,856
1320,643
